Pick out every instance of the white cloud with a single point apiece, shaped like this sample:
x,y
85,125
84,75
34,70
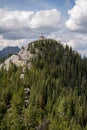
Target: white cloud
x,y
78,17
28,21
79,43
46,19
18,26
14,20
7,42
76,40
77,22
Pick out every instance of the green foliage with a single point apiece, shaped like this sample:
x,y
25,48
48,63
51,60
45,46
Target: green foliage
x,y
58,91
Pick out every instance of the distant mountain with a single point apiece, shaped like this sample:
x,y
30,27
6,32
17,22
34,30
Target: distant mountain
x,y
9,51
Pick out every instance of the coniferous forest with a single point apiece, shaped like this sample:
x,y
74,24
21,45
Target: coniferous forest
x,y
51,96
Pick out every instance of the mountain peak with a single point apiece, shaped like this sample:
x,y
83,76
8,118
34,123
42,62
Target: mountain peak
x,y
42,47
9,50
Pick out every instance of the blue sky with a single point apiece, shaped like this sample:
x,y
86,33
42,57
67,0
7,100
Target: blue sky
x,y
24,20
35,5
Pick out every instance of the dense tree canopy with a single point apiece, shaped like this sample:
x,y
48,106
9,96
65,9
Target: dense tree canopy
x,y
57,94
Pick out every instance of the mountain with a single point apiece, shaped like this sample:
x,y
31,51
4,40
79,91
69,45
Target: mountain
x,y
7,51
44,87
23,58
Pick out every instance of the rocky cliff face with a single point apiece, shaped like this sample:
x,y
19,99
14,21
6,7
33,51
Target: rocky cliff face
x,y
23,58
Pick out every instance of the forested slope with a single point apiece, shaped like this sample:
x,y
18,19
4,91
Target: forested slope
x,y
52,95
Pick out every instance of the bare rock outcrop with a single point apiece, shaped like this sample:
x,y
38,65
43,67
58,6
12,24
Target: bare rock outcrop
x,y
23,58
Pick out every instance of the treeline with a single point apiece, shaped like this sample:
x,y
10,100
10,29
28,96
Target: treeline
x,y
58,91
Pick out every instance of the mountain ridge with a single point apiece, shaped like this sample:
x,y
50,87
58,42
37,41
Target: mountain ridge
x,y
26,54
9,50
49,94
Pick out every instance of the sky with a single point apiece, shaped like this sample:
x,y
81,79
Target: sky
x,y
22,21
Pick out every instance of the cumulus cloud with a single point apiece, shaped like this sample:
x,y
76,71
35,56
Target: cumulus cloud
x,y
18,26
46,19
78,17
28,22
78,46
79,43
6,42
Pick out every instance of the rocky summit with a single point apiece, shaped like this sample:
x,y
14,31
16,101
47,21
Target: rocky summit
x,y
23,58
